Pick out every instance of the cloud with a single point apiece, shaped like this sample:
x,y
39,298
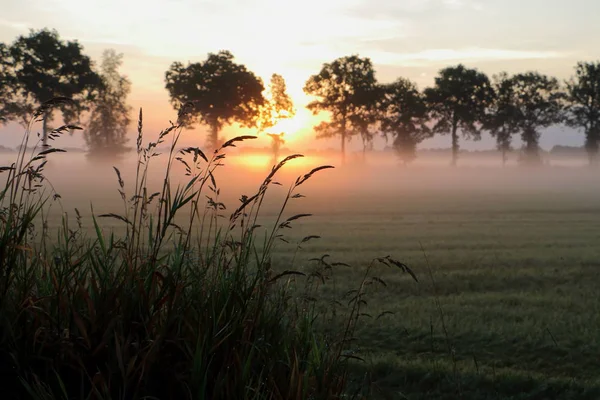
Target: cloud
x,y
462,4
455,4
15,25
426,57
410,9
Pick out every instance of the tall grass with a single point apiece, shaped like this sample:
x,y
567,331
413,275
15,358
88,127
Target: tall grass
x,y
168,311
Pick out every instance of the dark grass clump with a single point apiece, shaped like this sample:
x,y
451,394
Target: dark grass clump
x,y
170,310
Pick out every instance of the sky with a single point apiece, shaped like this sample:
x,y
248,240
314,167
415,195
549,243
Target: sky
x,y
408,38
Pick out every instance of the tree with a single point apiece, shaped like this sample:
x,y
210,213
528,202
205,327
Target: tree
x,y
278,106
458,102
6,84
583,111
366,118
405,117
501,119
220,91
44,67
106,134
537,105
342,88
276,142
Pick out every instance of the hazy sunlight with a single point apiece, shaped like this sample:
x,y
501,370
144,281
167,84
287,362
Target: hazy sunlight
x,y
293,127
227,199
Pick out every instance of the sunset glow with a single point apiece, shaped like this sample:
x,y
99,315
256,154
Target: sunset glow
x,y
293,128
301,199
408,38
254,161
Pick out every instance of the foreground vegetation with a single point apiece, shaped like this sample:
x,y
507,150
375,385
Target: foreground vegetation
x,y
181,302
165,310
514,259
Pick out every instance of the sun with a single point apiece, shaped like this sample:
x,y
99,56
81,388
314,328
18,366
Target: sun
x,y
294,128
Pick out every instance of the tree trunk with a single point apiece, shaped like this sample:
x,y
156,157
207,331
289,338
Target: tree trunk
x,y
454,144
275,149
592,151
276,152
530,137
214,137
343,141
45,130
592,145
343,146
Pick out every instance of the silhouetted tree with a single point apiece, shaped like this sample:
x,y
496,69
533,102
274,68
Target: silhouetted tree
x,y
537,105
458,102
276,142
44,67
278,105
404,118
583,93
365,120
501,118
6,84
106,134
343,88
220,90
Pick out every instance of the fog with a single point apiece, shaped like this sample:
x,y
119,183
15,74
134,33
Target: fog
x,y
377,184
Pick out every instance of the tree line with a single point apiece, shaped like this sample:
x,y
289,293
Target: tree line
x,y
463,102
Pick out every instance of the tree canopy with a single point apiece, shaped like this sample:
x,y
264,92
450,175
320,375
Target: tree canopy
x,y
583,93
366,119
6,84
106,134
538,103
405,117
277,105
220,91
41,67
458,101
344,88
501,117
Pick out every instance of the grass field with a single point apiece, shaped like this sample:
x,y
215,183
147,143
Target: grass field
x,y
511,308
507,305
518,291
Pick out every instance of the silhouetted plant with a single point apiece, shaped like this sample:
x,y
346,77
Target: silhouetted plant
x,y
127,317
